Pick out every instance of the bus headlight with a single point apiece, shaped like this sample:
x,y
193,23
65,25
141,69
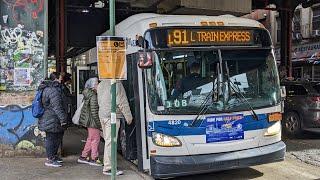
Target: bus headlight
x,y
274,129
165,140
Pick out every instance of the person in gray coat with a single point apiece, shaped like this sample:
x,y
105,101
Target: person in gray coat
x,y
54,118
123,108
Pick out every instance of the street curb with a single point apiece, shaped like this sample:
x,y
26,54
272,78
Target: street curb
x,y
135,169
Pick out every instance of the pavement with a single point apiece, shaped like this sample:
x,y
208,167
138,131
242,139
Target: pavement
x,y
306,148
290,169
302,162
33,168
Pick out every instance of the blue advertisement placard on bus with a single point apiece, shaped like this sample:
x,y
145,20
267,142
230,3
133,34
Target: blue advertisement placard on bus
x,y
224,128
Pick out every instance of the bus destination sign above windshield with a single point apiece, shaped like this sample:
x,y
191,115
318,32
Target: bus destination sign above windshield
x,y
209,37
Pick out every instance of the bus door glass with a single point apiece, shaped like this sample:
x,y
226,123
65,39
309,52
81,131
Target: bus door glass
x,y
83,74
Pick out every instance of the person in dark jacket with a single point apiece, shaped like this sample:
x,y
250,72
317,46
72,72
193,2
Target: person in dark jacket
x,y
89,118
65,80
54,118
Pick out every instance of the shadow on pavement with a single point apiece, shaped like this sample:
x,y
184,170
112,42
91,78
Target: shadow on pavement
x,y
235,174
304,136
74,140
309,135
307,141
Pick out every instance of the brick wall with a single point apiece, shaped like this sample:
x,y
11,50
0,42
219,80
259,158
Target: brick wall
x,y
11,151
18,98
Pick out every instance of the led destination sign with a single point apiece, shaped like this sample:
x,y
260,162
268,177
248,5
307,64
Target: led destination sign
x,y
206,37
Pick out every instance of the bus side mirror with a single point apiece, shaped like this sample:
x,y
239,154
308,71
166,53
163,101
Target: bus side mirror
x,y
141,42
145,60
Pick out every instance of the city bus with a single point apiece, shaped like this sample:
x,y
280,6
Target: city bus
x,y
204,93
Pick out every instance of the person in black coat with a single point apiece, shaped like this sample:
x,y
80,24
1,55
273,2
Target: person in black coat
x,y
54,118
65,80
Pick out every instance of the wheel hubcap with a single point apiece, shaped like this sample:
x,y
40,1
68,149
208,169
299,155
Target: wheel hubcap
x,y
292,124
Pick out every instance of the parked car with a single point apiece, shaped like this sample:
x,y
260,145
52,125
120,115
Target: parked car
x,y
301,107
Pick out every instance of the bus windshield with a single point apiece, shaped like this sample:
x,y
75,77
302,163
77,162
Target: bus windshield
x,y
186,81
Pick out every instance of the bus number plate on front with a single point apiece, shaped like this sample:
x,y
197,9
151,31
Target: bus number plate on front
x,y
176,103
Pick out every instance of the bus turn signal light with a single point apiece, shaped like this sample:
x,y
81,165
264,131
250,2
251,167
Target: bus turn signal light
x,y
274,117
153,152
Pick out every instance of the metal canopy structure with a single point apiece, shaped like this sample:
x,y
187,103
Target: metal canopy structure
x,y
286,9
74,24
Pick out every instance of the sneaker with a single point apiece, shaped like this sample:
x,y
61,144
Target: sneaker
x,y
59,160
95,162
109,173
52,163
83,160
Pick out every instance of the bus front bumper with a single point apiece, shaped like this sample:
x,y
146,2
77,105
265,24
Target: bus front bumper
x,y
172,166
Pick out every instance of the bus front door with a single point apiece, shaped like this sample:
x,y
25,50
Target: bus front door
x,y
82,75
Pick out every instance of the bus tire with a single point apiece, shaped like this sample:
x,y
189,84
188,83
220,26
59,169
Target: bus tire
x,y
292,124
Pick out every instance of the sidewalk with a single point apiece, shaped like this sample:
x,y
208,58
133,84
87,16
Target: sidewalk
x,y
33,168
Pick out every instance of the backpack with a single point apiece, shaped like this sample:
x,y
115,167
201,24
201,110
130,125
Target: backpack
x,y
37,106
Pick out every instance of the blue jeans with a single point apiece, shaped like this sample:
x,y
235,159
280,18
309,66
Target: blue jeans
x,y
53,141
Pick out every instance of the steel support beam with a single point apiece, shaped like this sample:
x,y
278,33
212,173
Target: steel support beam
x,y
286,15
46,39
61,65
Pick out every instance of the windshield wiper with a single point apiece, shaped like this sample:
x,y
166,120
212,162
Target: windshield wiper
x,y
203,107
239,94
219,69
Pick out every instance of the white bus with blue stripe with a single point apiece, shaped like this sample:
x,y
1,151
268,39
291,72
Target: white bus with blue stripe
x,y
228,119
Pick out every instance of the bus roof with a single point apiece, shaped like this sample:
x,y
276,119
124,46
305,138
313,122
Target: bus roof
x,y
138,24
141,22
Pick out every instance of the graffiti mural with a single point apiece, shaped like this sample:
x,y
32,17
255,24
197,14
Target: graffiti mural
x,y
23,10
17,126
21,70
21,56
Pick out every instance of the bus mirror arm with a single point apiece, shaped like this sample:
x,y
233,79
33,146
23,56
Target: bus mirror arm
x,y
283,95
283,92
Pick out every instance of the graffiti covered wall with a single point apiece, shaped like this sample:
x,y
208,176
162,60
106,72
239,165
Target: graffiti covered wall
x,y
21,70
